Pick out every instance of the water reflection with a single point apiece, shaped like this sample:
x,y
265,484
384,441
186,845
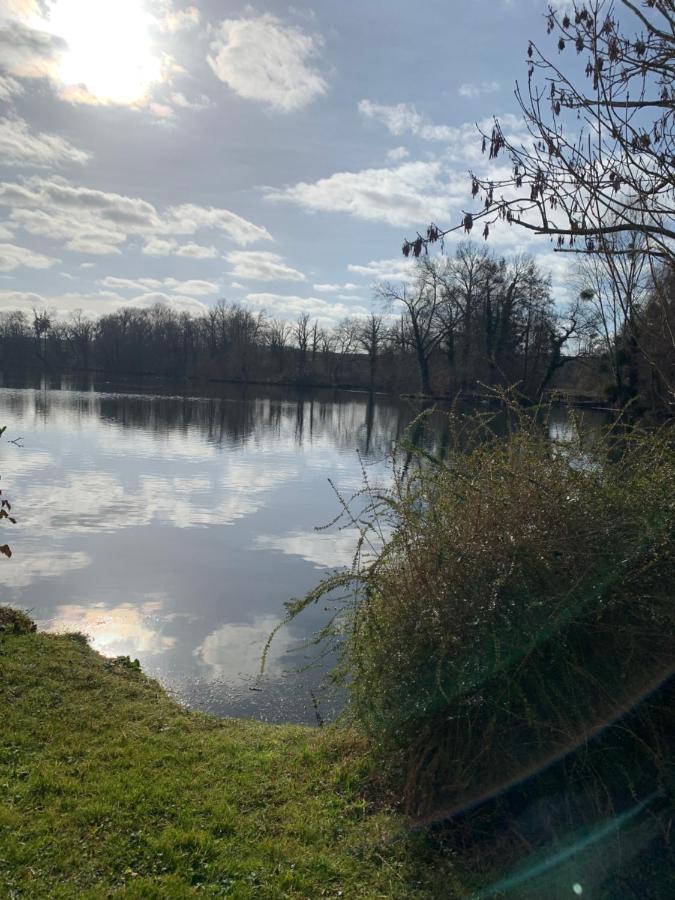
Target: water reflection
x,y
172,528
123,629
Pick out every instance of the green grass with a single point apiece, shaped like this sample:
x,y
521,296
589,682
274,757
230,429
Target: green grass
x,y
110,789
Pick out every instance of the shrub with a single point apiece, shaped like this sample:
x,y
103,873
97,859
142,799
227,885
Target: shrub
x,y
13,621
518,619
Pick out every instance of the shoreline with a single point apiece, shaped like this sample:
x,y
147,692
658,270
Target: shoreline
x,y
113,788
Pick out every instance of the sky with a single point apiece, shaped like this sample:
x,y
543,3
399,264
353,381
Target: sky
x,y
273,155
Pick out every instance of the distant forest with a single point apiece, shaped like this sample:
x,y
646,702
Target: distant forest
x,y
462,323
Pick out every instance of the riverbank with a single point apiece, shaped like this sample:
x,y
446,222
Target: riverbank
x,y
109,788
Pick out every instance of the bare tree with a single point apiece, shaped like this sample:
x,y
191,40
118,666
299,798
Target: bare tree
x,y
422,301
301,333
599,160
369,338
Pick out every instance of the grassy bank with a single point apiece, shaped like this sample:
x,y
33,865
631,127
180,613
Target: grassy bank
x,y
108,788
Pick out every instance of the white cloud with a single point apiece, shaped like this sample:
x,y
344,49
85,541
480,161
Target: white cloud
x,y
403,118
9,87
28,52
98,222
11,257
471,90
161,111
180,100
193,288
261,266
290,306
263,59
182,19
19,146
98,303
397,154
397,269
189,218
411,194
334,288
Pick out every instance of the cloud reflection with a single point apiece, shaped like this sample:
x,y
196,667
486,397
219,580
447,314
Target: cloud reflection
x,y
22,570
323,549
113,630
233,651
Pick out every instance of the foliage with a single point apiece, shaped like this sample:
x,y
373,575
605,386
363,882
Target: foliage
x,y
519,612
13,621
109,788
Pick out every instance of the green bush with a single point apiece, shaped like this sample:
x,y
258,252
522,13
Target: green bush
x,y
518,620
13,621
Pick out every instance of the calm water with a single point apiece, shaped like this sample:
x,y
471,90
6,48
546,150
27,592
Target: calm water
x,y
173,528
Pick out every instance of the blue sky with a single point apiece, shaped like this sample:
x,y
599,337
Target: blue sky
x,y
274,155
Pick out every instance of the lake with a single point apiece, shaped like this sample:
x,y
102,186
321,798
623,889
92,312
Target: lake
x,y
170,524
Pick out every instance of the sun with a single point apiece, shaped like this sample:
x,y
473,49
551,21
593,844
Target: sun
x,y
110,54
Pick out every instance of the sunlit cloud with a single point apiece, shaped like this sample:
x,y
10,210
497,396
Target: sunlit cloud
x,y
115,630
21,146
12,257
87,220
261,266
412,193
266,60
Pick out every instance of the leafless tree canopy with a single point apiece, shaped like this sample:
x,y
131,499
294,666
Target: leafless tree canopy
x,y
600,158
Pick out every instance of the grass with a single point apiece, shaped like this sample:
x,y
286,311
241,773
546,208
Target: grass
x,y
110,789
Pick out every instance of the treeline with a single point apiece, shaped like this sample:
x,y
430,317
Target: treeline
x,y
461,323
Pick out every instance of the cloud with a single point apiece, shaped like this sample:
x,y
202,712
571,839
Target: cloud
x,y
323,549
28,52
182,19
161,111
234,651
98,303
9,87
180,100
397,269
462,142
397,154
11,257
411,194
21,147
263,59
290,306
261,266
403,118
476,90
189,218
125,628
169,247
193,288
334,288
91,221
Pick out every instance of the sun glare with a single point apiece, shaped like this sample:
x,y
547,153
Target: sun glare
x,y
110,55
